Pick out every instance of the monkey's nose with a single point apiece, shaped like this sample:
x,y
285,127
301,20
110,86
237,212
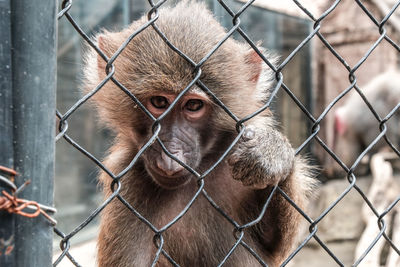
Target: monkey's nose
x,y
169,166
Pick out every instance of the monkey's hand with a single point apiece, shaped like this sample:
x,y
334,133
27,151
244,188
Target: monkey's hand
x,y
262,157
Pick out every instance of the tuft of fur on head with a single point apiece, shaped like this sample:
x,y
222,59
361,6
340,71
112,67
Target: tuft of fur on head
x,y
146,66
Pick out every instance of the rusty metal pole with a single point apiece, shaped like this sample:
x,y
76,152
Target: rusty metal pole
x,y
27,122
7,229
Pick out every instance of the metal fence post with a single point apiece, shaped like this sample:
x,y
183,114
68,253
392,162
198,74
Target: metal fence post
x,y
7,255
28,127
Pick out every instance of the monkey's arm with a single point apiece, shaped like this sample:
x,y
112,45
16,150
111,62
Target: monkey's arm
x,y
262,157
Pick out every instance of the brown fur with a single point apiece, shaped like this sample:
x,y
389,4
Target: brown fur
x,y
239,185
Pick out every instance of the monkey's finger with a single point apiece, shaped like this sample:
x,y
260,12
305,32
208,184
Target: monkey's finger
x,y
259,184
232,159
242,172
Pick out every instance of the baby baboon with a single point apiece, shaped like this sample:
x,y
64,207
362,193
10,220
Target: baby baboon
x,y
197,132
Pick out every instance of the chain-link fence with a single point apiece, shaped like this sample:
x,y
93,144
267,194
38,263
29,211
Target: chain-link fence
x,y
239,230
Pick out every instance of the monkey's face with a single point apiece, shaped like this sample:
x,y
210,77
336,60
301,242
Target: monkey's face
x,y
182,133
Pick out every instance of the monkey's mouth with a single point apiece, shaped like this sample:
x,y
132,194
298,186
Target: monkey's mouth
x,y
170,182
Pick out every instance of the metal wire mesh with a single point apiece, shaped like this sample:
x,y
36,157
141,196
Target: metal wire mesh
x,y
237,228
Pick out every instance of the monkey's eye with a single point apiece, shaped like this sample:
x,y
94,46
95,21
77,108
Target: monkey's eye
x,y
159,102
194,104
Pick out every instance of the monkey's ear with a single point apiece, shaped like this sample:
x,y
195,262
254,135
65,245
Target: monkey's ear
x,y
340,123
108,47
102,44
255,65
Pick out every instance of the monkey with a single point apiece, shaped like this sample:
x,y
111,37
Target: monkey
x,y
355,125
196,132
